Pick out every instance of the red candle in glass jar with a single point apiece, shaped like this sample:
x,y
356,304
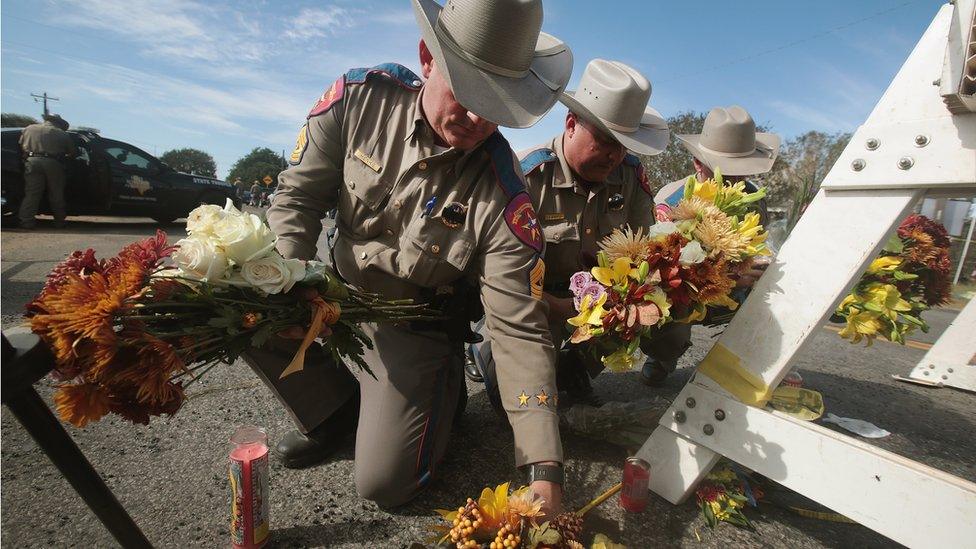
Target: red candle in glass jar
x,y
633,493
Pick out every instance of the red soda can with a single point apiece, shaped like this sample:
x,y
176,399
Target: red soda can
x,y
249,507
633,493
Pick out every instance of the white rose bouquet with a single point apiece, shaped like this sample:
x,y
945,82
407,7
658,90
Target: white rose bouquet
x,y
131,333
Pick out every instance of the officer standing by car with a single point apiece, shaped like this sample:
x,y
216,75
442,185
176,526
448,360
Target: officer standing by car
x,y
45,146
429,196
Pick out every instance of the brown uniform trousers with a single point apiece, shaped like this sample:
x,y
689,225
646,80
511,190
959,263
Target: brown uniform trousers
x,y
412,220
45,146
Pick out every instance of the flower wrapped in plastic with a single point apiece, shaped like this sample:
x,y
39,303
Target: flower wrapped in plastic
x,y
685,264
131,333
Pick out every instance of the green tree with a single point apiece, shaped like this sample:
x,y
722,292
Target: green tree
x,y
806,159
13,120
256,164
192,161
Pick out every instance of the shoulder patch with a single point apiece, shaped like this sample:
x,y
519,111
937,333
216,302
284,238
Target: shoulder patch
x,y
398,73
521,218
329,97
537,158
635,163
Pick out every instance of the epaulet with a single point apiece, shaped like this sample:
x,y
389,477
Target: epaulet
x,y
638,166
537,158
519,213
397,73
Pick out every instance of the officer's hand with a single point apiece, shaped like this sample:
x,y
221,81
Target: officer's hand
x,y
298,332
751,272
561,309
552,493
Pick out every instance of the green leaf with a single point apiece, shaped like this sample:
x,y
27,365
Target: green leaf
x,y
894,245
901,275
221,322
709,515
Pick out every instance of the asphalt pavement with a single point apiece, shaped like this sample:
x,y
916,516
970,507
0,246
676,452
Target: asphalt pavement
x,y
172,474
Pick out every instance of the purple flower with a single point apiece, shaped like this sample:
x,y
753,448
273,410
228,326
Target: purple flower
x,y
578,281
594,289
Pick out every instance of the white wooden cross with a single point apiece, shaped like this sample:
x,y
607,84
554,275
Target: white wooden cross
x,y
911,146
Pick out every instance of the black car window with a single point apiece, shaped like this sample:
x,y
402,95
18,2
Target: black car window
x,y
129,157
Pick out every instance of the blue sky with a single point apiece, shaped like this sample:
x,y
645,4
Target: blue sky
x,y
226,76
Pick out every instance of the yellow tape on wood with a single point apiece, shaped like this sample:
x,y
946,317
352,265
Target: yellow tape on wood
x,y
725,368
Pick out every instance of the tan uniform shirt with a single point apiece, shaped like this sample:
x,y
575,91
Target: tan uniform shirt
x,y
575,219
47,139
367,149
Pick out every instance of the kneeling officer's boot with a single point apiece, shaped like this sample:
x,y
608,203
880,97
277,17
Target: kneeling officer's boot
x,y
297,450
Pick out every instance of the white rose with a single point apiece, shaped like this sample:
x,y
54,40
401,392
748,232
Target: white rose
x,y
202,219
273,274
692,253
201,257
244,237
663,228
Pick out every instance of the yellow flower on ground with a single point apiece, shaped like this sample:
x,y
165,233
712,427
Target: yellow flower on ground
x,y
617,273
861,325
494,505
884,264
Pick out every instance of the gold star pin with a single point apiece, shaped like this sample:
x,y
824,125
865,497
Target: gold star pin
x,y
523,400
543,398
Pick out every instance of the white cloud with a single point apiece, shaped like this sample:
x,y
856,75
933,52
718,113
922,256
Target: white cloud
x,y
814,117
318,22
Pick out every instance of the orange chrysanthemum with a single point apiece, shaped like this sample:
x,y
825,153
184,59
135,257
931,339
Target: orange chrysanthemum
x,y
922,249
147,364
711,282
82,403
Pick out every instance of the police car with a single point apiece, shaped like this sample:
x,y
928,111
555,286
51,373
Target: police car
x,y
110,177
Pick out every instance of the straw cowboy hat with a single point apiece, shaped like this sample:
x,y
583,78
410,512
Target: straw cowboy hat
x,y
729,141
497,62
614,97
57,121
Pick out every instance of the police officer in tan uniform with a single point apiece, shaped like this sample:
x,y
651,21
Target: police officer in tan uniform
x,y
429,194
586,185
729,143
45,147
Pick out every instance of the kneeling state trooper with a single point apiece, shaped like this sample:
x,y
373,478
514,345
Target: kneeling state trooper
x,y
429,196
586,185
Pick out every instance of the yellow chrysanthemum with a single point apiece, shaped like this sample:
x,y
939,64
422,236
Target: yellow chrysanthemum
x,y
718,236
693,208
524,503
626,244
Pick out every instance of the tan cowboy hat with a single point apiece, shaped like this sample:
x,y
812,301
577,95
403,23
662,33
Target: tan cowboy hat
x,y
57,121
729,142
497,62
614,97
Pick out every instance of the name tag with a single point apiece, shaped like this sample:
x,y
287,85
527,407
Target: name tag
x,y
558,216
365,159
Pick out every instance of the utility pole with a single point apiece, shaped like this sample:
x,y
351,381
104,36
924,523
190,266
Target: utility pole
x,y
45,97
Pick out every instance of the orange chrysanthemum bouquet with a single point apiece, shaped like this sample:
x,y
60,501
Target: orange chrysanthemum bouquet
x,y
131,333
687,261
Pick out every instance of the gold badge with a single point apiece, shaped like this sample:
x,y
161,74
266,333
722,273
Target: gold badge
x,y
365,159
558,216
536,277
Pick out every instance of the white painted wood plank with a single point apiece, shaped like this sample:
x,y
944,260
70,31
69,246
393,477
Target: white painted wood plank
x,y
911,503
951,361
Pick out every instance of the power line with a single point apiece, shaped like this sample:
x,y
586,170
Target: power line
x,y
788,45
